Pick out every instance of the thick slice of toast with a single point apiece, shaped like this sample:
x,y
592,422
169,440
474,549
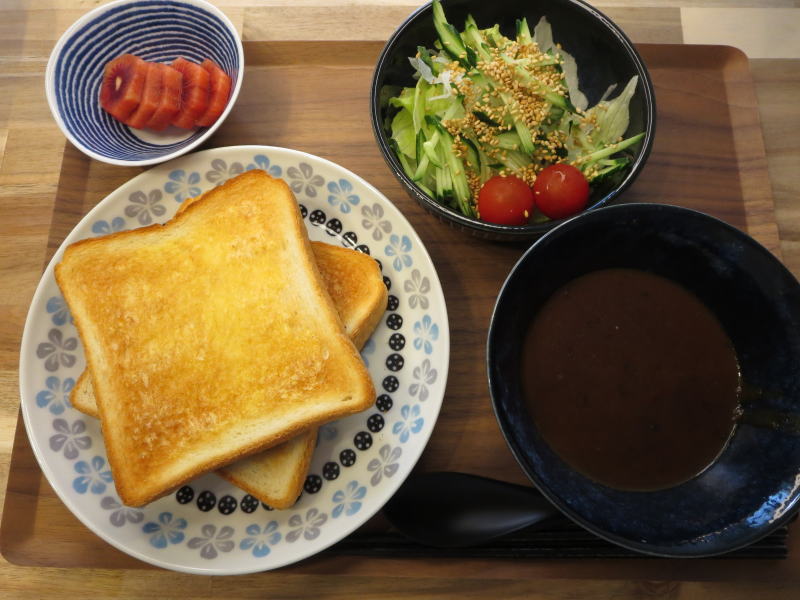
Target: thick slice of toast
x,y
276,475
209,338
353,282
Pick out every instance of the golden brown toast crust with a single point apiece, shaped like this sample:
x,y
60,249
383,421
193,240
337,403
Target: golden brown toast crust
x,y
252,474
198,359
353,282
276,475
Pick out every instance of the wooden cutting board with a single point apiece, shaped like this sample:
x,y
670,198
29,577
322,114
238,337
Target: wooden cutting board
x,y
708,155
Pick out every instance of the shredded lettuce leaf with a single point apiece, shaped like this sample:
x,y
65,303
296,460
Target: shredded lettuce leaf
x,y
403,133
543,36
439,129
612,115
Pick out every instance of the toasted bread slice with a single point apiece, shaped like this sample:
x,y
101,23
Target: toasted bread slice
x,y
354,284
275,476
209,338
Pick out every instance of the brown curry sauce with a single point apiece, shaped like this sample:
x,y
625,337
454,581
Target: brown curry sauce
x,y
630,379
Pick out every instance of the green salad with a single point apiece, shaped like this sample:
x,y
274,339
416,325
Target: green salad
x,y
491,117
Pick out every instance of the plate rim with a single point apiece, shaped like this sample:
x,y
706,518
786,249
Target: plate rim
x,y
25,367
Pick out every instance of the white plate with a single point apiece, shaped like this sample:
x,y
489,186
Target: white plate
x,y
210,526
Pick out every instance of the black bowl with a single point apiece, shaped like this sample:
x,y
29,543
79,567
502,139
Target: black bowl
x,y
604,56
754,485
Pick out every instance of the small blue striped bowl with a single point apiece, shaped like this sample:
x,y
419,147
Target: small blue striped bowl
x,y
154,30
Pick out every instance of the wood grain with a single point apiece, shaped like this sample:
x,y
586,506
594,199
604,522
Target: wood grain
x,y
705,94
31,151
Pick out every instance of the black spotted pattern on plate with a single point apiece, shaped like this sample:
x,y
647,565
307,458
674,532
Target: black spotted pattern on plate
x,y
184,495
347,457
394,362
334,227
349,239
317,217
330,470
249,503
390,383
384,403
362,440
313,484
394,321
397,342
227,504
375,423
206,500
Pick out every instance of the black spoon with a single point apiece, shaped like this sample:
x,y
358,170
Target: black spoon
x,y
456,510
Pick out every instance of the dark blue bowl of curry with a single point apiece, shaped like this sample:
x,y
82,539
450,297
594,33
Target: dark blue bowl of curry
x,y
644,367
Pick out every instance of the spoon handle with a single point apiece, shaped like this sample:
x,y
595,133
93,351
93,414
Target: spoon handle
x,y
451,510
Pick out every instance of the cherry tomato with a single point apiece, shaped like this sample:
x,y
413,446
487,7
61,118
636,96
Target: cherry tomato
x,y
505,201
560,191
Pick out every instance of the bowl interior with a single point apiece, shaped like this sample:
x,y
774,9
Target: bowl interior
x,y
603,53
754,485
155,30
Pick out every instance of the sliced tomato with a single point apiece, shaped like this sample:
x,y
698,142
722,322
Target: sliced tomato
x,y
219,93
123,85
151,98
195,94
170,103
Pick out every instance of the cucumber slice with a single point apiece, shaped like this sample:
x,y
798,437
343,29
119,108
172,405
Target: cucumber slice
x,y
450,38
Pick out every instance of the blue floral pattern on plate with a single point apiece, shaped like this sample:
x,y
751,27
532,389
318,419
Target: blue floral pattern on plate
x,y
259,540
400,249
94,476
183,185
348,500
209,526
340,194
56,395
411,422
167,530
261,161
103,227
57,307
426,332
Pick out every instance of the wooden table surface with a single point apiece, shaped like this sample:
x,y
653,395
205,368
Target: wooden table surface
x,y
32,147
